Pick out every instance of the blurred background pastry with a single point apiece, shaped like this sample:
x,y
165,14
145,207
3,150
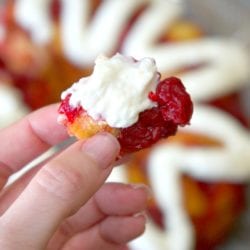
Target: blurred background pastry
x,y
46,45
199,180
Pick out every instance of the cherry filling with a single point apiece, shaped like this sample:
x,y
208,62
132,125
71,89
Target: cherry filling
x,y
173,100
174,108
70,112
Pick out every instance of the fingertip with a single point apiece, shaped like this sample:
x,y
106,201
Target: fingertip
x,y
139,222
142,188
141,218
44,120
121,199
120,230
103,148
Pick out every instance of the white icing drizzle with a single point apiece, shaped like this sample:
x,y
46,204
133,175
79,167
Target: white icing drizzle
x,y
82,42
167,191
35,17
219,163
227,62
2,32
12,107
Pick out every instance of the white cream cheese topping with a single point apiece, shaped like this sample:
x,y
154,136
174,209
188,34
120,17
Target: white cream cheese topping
x,y
117,91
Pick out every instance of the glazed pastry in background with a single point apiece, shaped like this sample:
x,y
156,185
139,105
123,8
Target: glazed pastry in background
x,y
127,98
47,45
198,179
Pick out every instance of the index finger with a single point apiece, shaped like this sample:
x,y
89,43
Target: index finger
x,y
30,137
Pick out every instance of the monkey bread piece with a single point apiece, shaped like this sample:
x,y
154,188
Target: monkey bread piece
x,y
126,97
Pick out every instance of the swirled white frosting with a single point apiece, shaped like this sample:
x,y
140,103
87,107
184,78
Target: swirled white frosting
x,y
226,62
2,32
117,91
35,17
12,107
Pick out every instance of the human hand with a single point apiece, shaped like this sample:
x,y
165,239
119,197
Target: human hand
x,y
64,203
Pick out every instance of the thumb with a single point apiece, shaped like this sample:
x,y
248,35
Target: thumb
x,y
59,189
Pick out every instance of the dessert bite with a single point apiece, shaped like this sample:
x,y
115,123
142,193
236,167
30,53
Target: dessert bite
x,y
127,98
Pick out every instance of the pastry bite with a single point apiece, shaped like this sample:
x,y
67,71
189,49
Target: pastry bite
x,y
127,98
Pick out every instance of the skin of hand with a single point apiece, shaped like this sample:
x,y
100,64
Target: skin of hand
x,y
64,203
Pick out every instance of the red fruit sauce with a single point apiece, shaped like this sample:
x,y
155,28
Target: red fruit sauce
x,y
174,108
70,112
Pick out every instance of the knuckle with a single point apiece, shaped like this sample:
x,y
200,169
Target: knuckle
x,y
59,180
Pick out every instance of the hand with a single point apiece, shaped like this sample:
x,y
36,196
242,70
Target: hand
x,y
64,203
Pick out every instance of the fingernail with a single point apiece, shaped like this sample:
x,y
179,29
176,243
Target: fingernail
x,y
143,187
102,148
142,214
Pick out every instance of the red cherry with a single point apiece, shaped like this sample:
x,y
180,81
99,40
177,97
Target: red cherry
x,y
174,108
175,103
70,112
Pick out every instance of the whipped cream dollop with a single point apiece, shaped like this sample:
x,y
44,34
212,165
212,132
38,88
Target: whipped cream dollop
x,y
117,91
